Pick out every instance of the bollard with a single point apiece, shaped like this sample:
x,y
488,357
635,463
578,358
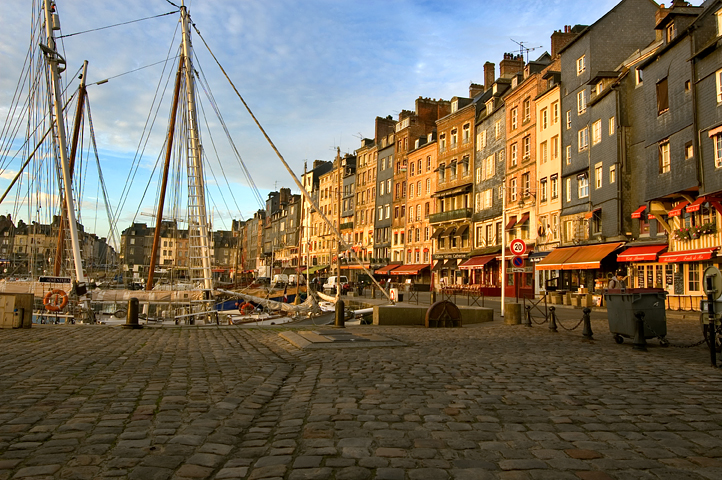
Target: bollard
x,y
132,318
587,332
340,321
527,317
553,320
373,291
640,343
711,326
433,297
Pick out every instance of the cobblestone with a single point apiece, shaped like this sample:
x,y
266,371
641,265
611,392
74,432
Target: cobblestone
x,y
471,403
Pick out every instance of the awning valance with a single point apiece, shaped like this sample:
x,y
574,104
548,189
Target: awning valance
x,y
696,205
460,231
409,269
647,253
438,265
578,258
638,212
591,214
437,232
512,222
477,262
688,255
524,218
556,258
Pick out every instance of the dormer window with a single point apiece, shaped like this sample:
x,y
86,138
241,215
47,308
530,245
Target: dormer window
x,y
454,106
600,87
671,32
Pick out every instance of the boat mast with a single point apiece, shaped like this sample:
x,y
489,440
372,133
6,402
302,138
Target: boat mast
x,y
197,218
53,59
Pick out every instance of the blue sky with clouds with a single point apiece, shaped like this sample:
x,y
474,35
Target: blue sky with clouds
x,y
316,72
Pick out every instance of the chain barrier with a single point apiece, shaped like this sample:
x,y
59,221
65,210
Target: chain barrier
x,y
667,343
570,329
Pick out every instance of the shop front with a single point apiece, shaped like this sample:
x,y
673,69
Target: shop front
x,y
683,272
483,272
581,269
417,275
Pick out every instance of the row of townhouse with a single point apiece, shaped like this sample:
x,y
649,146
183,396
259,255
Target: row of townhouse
x,y
604,153
31,249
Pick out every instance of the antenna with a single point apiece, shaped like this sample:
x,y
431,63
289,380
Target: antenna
x,y
359,135
524,49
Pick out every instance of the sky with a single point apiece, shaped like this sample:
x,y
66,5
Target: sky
x,y
316,74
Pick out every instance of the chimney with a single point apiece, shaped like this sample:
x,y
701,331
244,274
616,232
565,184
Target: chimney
x,y
511,65
561,39
489,74
475,89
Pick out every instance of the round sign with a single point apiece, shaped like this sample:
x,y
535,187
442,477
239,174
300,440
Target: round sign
x,y
517,246
517,261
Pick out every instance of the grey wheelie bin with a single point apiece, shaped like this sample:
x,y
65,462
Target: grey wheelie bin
x,y
623,304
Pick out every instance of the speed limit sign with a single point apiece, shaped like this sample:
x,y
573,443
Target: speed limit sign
x,y
517,246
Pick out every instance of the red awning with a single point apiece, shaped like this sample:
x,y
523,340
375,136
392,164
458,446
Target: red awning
x,y
512,222
218,270
524,218
355,266
385,270
638,212
646,253
677,211
409,269
696,205
477,262
687,255
591,214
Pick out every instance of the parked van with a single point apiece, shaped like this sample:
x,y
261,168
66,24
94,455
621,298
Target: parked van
x,y
296,279
280,279
334,281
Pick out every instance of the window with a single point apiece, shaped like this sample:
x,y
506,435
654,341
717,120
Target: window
x,y
381,188
525,184
442,142
569,119
717,139
526,143
514,118
693,277
718,77
671,32
638,77
454,138
688,151
612,174
527,109
428,164
581,102
544,153
478,174
497,129
513,154
544,119
569,154
598,175
555,112
388,186
583,185
581,64
599,88
612,125
543,188
568,187
488,198
664,160
555,147
719,22
381,213
555,186
490,169
411,190
512,189
662,97
583,137
480,140
466,133
596,132
412,169
428,185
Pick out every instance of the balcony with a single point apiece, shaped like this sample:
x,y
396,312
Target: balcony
x,y
450,216
346,226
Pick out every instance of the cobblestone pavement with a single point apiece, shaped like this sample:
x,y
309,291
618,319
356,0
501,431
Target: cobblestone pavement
x,y
484,402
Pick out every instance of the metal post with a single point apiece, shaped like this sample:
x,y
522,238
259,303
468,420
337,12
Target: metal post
x,y
553,319
340,320
640,342
527,317
712,327
587,332
132,317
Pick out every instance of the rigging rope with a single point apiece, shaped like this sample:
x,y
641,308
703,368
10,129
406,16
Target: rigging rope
x,y
131,71
115,25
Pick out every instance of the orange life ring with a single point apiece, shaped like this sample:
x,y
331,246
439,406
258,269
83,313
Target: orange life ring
x,y
246,308
55,300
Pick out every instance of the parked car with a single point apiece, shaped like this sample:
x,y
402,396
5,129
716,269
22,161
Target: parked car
x,y
280,279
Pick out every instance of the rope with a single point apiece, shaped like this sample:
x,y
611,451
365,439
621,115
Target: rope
x,y
116,25
132,71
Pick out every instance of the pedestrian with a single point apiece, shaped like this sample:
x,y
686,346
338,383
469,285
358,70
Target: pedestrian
x,y
617,282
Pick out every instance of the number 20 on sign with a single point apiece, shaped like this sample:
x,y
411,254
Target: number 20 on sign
x,y
517,246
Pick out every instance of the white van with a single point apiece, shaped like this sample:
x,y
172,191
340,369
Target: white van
x,y
280,279
334,281
294,279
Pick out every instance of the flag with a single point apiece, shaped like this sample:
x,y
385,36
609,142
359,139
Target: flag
x,y
285,294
